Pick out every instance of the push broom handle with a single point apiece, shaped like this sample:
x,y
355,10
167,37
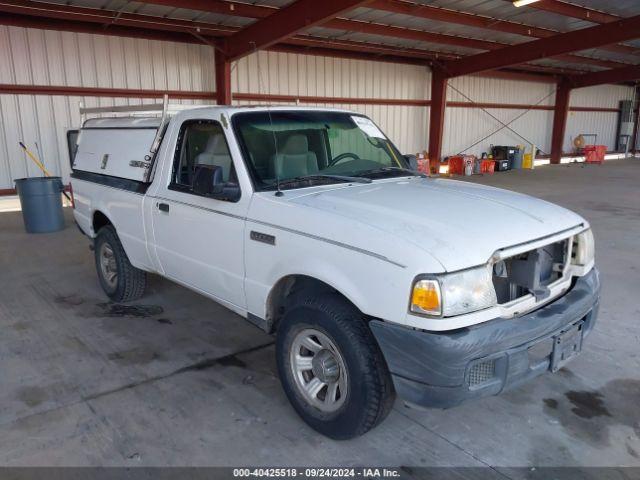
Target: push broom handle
x,y
35,160
39,164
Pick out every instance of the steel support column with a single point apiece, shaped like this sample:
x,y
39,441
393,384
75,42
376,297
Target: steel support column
x,y
436,116
560,113
223,79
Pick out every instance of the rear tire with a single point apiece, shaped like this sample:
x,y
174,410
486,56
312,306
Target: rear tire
x,y
120,280
331,367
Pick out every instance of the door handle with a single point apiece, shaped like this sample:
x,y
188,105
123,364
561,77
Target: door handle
x,y
163,207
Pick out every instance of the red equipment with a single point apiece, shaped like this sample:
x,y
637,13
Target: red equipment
x,y
458,162
487,166
594,153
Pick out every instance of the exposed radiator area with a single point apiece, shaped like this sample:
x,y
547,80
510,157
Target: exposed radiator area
x,y
530,272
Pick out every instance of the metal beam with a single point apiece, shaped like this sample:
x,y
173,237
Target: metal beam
x,y
18,89
617,75
583,39
478,21
520,75
62,90
560,113
436,116
286,22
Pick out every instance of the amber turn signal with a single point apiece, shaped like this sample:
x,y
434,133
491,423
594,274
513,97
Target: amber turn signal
x,y
426,298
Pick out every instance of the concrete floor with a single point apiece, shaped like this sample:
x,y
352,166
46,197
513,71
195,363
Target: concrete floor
x,y
182,381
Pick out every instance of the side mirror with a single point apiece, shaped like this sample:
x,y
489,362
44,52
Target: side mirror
x,y
208,182
205,179
413,161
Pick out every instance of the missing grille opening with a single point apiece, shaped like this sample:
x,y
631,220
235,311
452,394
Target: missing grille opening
x,y
530,272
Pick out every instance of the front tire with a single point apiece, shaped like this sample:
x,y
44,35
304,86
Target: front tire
x,y
120,280
331,367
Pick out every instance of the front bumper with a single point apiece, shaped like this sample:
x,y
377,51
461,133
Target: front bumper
x,y
442,369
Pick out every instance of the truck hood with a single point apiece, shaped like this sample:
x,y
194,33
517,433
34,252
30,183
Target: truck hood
x,y
461,224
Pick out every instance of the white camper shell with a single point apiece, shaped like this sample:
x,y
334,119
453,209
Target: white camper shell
x,y
123,146
118,147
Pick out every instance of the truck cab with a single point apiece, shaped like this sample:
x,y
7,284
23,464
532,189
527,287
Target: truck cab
x,y
312,225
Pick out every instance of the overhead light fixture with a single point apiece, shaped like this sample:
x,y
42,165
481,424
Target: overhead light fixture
x,y
522,3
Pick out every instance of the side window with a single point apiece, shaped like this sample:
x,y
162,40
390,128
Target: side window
x,y
200,142
72,144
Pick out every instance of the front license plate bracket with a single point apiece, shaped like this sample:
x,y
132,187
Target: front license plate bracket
x,y
566,345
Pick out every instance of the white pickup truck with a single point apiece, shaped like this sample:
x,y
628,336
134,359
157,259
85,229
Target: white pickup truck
x,y
309,223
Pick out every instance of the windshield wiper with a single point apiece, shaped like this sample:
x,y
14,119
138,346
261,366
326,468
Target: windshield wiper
x,y
315,176
385,170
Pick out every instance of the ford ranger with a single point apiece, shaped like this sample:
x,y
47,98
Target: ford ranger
x,y
375,279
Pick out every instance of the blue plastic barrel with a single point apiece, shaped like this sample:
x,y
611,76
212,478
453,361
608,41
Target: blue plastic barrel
x,y
41,203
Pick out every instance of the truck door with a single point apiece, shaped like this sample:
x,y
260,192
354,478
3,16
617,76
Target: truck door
x,y
199,240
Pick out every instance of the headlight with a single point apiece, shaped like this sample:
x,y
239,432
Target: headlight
x,y
454,293
583,248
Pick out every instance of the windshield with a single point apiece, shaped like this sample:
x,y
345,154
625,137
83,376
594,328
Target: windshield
x,y
302,148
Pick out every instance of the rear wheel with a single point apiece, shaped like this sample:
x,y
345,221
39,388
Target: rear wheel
x,y
331,367
120,280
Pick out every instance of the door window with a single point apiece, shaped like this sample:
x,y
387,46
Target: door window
x,y
200,142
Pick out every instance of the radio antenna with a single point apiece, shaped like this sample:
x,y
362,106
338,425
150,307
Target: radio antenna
x,y
279,192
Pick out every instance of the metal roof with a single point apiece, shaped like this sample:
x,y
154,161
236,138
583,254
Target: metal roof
x,y
417,23
500,10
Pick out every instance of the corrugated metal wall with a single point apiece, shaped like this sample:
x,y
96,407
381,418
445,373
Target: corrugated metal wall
x,y
472,130
39,57
603,124
290,74
305,75
46,57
